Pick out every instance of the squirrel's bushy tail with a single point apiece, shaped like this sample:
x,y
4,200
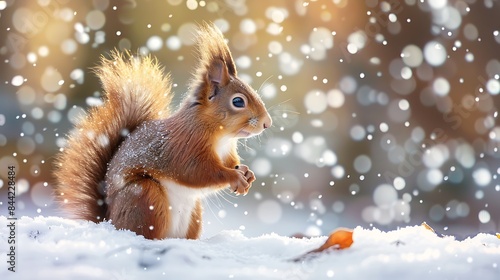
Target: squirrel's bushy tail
x,y
136,90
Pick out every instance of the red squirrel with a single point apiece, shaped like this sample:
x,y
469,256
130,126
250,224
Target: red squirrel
x,y
134,163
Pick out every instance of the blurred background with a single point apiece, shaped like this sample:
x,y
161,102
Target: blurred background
x,y
385,112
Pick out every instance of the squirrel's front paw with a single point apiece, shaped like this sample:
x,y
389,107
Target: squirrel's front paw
x,y
244,182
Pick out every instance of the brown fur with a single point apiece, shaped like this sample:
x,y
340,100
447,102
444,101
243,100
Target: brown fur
x,y
191,152
194,229
149,214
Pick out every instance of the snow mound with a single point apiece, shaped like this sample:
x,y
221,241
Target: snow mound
x,y
57,248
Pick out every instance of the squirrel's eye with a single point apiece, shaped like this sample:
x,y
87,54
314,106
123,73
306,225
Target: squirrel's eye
x,y
238,102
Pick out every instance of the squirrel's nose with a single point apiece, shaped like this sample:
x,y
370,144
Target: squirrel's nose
x,y
268,122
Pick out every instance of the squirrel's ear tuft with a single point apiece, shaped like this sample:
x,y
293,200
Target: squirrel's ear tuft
x,y
215,62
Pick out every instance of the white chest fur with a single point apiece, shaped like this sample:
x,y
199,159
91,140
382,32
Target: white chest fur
x,y
224,146
182,201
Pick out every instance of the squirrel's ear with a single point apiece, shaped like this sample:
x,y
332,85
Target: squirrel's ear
x,y
216,65
218,73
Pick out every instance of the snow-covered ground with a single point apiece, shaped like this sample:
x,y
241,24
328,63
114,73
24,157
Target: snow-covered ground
x,y
57,248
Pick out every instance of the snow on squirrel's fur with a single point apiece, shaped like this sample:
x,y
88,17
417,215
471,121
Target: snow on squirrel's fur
x,y
57,248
